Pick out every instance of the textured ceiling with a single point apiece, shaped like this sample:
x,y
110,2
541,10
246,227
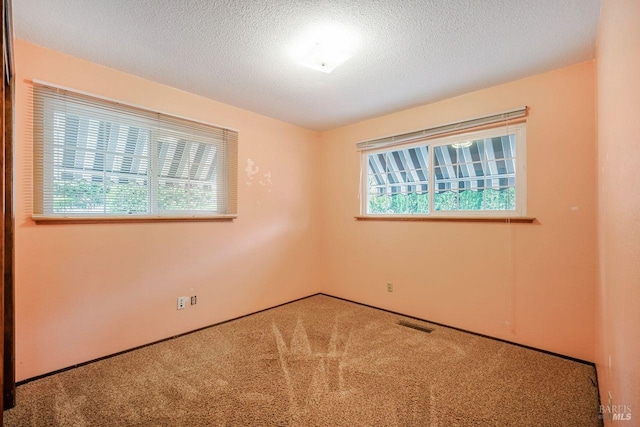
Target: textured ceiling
x,y
405,53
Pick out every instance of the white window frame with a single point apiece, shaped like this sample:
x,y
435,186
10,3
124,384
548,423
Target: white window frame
x,y
154,212
520,168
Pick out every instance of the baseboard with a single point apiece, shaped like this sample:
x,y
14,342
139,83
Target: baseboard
x,y
57,371
551,353
28,380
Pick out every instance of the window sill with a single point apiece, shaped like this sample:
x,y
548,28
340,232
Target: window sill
x,y
47,219
514,219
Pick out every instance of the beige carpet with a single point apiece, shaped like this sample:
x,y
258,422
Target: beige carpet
x,y
317,362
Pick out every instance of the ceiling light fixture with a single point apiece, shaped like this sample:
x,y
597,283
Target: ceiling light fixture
x,y
324,47
323,58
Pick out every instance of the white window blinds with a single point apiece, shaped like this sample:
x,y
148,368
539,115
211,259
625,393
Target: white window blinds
x,y
428,133
98,158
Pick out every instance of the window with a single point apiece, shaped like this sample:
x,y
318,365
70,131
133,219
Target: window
x,y
472,174
97,158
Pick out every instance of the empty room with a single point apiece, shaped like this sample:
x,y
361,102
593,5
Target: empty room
x,y
320,213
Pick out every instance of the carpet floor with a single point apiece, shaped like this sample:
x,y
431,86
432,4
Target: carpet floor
x,y
319,361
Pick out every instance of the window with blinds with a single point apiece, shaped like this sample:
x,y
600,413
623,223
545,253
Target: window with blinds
x,y
479,173
98,158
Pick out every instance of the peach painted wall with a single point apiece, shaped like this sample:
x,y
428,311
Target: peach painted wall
x,y
618,318
528,283
85,291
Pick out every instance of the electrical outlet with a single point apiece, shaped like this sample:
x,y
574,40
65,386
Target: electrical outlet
x,y
182,302
389,287
194,300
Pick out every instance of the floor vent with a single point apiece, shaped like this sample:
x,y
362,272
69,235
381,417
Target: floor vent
x,y
416,327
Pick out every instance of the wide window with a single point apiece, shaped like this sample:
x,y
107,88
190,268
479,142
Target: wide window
x,y
97,158
472,174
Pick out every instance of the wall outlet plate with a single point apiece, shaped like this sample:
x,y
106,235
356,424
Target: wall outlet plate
x,y
182,302
389,287
194,300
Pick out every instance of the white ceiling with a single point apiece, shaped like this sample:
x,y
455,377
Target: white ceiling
x,y
408,52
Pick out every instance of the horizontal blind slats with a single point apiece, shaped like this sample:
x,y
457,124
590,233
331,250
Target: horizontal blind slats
x,y
100,158
469,124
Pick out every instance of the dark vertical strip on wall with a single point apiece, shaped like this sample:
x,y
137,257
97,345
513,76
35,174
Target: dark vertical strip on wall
x,y
8,345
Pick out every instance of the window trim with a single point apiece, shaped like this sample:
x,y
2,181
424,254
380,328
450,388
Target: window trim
x,y
518,129
49,219
153,215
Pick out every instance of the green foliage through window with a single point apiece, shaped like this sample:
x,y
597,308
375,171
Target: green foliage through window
x,y
130,197
469,200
